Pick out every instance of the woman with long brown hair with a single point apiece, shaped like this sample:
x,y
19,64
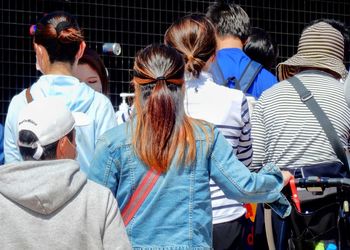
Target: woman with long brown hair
x,y
158,164
194,37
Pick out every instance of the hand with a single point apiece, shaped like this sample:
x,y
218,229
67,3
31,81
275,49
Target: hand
x,y
286,177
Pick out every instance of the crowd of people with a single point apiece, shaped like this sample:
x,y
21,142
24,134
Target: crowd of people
x,y
211,129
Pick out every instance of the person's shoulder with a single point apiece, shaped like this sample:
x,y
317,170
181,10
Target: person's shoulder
x,y
102,109
232,97
222,91
117,136
19,99
101,190
100,98
266,77
282,88
17,103
202,129
98,192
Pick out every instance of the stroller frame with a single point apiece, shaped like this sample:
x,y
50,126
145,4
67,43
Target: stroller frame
x,y
306,237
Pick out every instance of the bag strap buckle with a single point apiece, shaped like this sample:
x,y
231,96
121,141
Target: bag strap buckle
x,y
306,96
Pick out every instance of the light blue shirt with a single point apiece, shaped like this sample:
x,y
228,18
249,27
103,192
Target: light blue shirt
x,y
78,97
177,213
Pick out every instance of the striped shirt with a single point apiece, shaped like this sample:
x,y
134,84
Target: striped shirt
x,y
286,132
228,110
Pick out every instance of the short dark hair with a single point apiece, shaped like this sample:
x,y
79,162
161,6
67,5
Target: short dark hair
x,y
29,138
229,20
261,48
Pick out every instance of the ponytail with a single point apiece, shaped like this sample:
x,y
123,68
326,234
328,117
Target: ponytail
x,y
162,128
194,37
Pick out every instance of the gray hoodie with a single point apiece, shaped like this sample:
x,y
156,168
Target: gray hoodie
x,y
51,205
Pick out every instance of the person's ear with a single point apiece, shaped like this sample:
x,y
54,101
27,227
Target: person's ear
x,y
81,50
79,54
65,149
212,58
42,57
38,55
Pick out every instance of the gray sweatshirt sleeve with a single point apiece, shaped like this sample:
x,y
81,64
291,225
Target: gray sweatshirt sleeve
x,y
115,236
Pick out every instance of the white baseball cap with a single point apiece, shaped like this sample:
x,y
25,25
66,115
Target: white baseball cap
x,y
50,120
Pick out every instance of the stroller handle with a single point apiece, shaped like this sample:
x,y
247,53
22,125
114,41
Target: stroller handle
x,y
324,182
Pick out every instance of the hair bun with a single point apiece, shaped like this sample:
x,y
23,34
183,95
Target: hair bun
x,y
62,26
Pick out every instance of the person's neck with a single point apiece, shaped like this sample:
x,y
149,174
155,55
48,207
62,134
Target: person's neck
x,y
228,42
59,68
329,72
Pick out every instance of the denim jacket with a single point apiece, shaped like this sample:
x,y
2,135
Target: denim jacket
x,y
177,212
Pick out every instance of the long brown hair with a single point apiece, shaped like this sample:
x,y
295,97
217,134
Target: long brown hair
x,y
194,37
162,127
61,36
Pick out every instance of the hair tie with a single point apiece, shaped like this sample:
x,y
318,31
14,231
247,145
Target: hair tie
x,y
190,57
159,78
62,26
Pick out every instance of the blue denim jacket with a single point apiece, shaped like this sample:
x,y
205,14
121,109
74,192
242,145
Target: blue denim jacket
x,y
177,212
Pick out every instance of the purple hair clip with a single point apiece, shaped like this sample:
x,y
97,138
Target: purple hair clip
x,y
32,29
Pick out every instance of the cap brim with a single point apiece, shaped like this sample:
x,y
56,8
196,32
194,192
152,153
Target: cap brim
x,y
81,119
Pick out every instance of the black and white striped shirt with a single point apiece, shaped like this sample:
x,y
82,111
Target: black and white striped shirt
x,y
228,110
285,131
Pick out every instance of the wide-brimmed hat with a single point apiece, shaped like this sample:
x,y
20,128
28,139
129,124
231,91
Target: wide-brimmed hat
x,y
320,46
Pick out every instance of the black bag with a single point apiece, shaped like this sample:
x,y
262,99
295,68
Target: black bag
x,y
327,169
317,222
332,169
319,216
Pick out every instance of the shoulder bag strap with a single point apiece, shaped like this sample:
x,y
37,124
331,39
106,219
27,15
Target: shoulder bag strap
x,y
144,188
309,100
248,76
28,96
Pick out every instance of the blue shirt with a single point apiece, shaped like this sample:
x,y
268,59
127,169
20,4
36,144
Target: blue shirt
x,y
232,62
177,212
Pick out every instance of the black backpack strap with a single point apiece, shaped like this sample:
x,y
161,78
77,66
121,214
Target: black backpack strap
x,y
248,76
309,100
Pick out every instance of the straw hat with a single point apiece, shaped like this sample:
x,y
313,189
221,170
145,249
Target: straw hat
x,y
320,46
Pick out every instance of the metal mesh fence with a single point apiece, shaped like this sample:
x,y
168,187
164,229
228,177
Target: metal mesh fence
x,y
134,24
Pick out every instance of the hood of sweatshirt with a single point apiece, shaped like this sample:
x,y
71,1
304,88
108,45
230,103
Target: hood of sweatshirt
x,y
75,94
41,186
